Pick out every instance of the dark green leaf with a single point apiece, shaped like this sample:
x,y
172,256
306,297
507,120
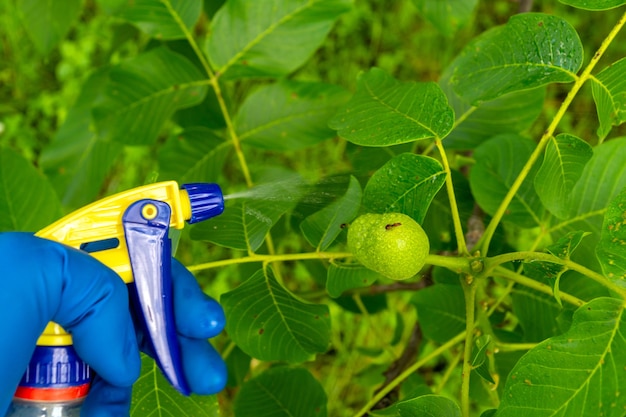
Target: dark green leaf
x,y
566,245
531,50
441,311
269,323
564,159
609,93
269,37
162,19
498,162
579,373
446,15
194,155
406,184
153,396
295,115
611,250
402,112
528,306
282,392
322,228
238,364
46,23
479,357
594,4
423,406
343,277
144,92
27,204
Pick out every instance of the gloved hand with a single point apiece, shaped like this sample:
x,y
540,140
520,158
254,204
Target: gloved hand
x,y
43,281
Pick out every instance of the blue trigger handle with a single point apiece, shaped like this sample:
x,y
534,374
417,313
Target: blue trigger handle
x,y
146,228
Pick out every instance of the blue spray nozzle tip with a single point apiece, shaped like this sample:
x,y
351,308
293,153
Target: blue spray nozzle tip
x,y
206,201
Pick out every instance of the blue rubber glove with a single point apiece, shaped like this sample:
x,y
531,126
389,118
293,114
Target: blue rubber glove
x,y
43,281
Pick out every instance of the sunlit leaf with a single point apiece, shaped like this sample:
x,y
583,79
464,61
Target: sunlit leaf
x,y
343,277
611,250
386,112
153,396
498,162
446,15
563,163
594,4
162,19
269,37
269,323
46,23
322,228
406,184
27,204
531,50
144,92
579,373
609,93
441,311
295,115
281,392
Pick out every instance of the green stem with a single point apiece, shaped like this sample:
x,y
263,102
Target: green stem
x,y
578,83
514,347
453,263
469,289
456,218
270,258
409,371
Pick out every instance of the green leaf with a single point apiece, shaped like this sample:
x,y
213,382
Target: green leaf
x,y
429,405
195,155
271,324
27,199
611,250
566,245
322,228
281,392
406,184
269,37
564,159
447,16
441,311
498,162
153,396
578,373
594,4
238,364
344,277
144,92
402,112
479,357
531,50
76,161
295,115
46,23
529,304
162,19
609,93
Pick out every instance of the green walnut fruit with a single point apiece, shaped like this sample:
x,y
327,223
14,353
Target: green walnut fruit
x,y
392,244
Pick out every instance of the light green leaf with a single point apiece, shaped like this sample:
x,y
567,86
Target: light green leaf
x,y
594,4
579,373
531,50
563,163
194,155
402,112
609,93
429,405
76,161
322,228
46,23
162,19
269,37
447,16
406,184
344,277
144,92
282,392
441,311
611,250
271,324
153,396
498,162
27,200
295,115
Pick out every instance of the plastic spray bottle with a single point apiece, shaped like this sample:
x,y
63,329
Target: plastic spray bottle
x,y
128,232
